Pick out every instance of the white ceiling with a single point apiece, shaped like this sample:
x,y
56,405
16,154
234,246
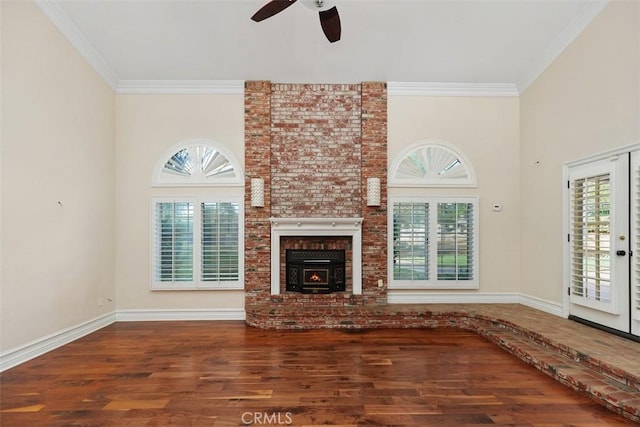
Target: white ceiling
x,y
475,42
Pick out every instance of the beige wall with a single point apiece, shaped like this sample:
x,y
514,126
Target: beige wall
x,y
148,126
586,102
57,182
67,138
485,130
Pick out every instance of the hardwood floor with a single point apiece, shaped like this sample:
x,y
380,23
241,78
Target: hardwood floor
x,y
228,374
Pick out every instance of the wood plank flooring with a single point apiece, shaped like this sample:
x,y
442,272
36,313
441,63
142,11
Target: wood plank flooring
x,y
228,374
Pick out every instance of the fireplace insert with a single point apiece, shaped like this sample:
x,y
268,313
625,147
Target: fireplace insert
x,y
312,271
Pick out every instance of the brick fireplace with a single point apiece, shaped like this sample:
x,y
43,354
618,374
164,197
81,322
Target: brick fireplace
x,y
314,145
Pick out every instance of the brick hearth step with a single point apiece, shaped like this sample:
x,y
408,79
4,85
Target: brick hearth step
x,y
614,393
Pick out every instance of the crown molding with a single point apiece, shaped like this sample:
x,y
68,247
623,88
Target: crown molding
x,y
57,15
186,87
564,39
61,20
452,89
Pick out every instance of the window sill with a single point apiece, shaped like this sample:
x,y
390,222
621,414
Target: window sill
x,y
452,285
217,287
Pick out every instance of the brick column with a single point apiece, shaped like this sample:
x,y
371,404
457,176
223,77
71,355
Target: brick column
x,y
374,165
257,158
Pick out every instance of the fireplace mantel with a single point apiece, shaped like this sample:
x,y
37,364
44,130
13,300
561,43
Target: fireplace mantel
x,y
311,227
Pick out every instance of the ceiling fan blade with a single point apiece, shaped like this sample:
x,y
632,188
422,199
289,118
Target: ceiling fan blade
x,y
271,8
330,21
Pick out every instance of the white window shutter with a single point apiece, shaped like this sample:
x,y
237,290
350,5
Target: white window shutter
x,y
590,224
434,243
173,248
220,241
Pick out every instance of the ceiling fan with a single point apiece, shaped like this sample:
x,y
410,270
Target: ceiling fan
x,y
329,18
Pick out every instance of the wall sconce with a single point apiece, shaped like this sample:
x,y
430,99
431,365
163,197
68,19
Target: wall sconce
x,y
257,192
373,191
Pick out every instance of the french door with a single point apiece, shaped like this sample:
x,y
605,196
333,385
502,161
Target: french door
x,y
604,231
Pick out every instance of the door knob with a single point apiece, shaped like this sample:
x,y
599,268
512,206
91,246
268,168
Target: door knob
x,y
621,253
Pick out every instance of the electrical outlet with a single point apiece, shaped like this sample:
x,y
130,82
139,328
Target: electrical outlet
x,y
380,283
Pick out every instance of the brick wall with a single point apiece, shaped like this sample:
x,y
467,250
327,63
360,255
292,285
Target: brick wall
x,y
315,145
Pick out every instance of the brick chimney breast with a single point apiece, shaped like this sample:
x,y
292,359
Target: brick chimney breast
x,y
315,145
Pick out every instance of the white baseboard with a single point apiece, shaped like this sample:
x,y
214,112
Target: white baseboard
x,y
41,346
172,314
542,305
430,297
18,355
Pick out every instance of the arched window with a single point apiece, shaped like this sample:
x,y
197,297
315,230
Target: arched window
x,y
197,237
433,237
198,162
431,164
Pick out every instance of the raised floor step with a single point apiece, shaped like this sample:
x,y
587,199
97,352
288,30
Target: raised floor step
x,y
611,392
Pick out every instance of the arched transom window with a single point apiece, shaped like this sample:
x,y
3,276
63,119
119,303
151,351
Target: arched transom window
x,y
431,164
198,163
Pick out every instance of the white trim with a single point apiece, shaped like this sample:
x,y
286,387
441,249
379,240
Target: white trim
x,y
564,39
180,314
61,20
566,245
24,353
452,89
430,297
566,212
181,87
547,306
57,15
317,227
603,155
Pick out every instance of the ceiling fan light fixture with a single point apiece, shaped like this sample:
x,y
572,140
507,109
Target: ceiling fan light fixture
x,y
327,11
318,5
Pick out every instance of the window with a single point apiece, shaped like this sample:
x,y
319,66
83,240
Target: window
x,y
197,239
197,244
431,164
591,243
174,241
434,242
220,239
198,162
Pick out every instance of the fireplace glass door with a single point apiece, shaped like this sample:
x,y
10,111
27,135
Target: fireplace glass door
x,y
315,271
